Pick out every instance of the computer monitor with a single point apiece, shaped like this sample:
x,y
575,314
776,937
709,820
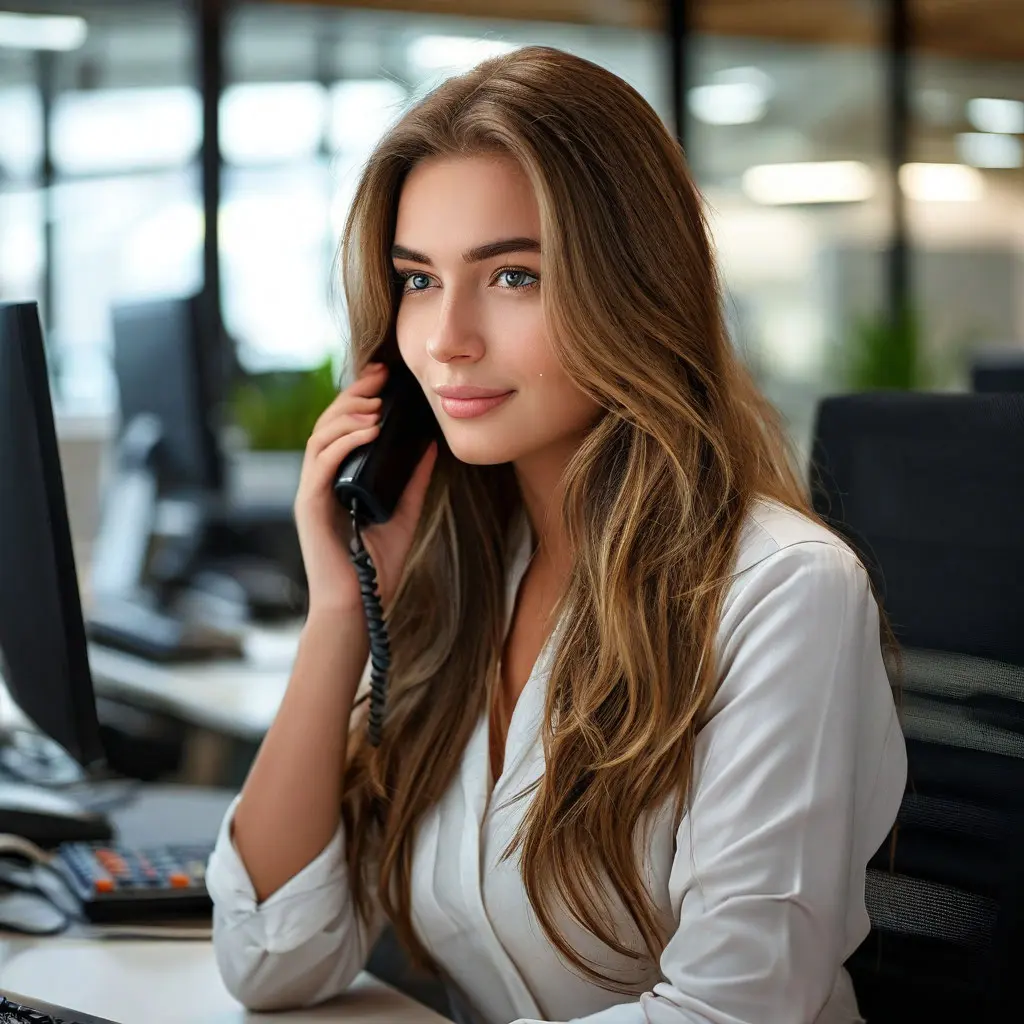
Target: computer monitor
x,y
160,369
43,654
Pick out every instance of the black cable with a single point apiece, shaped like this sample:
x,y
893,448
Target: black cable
x,y
380,646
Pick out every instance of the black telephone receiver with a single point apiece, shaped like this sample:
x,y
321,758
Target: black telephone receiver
x,y
369,484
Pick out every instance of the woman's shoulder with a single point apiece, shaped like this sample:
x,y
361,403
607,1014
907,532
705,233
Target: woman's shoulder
x,y
785,557
771,528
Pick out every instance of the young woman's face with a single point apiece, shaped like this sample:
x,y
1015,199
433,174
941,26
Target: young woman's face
x,y
470,319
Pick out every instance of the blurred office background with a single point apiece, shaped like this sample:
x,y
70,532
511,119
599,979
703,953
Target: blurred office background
x,y
798,117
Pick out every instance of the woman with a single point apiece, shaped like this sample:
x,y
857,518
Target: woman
x,y
640,741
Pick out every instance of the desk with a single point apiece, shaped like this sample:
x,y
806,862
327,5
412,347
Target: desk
x,y
170,983
234,698
158,982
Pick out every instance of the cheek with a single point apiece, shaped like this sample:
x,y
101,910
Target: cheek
x,y
409,337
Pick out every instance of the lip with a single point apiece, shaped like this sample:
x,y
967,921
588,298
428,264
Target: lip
x,y
461,391
472,406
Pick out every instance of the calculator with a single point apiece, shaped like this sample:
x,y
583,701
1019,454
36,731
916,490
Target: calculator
x,y
122,883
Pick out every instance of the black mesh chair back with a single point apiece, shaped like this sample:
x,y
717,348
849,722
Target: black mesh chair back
x,y
929,489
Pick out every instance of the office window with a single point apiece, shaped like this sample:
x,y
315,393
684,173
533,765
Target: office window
x,y
123,205
21,203
786,140
332,79
965,192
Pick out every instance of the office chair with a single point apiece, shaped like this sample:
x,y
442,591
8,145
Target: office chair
x,y
998,370
929,489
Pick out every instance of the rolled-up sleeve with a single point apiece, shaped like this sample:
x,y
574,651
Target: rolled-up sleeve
x,y
798,775
300,946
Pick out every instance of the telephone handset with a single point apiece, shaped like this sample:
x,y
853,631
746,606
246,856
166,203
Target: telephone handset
x,y
369,484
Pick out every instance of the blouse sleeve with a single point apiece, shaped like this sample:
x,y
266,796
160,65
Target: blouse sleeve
x,y
798,776
302,945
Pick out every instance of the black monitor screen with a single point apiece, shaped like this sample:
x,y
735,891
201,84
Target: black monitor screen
x,y
159,363
42,638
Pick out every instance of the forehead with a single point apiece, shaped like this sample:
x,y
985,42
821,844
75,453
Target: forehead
x,y
455,202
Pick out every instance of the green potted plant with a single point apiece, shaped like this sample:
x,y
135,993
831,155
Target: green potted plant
x,y
272,415
882,352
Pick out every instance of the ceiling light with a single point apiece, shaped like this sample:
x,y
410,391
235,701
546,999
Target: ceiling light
x,y
740,103
980,149
733,96
41,32
941,183
840,181
1001,116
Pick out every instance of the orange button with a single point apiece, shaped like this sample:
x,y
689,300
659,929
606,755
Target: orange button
x,y
104,885
178,880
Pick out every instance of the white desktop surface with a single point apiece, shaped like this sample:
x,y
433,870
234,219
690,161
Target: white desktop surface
x,y
155,982
236,697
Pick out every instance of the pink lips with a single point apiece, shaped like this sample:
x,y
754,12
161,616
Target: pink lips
x,y
465,402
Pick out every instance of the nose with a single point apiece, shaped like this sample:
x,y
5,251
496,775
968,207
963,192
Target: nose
x,y
457,334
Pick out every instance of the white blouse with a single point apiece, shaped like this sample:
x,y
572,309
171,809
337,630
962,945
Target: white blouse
x,y
799,772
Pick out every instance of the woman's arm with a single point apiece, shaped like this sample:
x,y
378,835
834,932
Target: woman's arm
x,y
291,802
285,930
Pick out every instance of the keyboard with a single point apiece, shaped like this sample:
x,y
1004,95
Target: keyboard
x,y
118,883
14,1011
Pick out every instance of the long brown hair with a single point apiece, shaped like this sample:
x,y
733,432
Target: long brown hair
x,y
654,501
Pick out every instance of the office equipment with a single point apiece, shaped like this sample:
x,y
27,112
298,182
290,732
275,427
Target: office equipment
x,y
116,882
929,488
998,370
128,624
14,1011
168,459
368,485
42,635
47,817
166,450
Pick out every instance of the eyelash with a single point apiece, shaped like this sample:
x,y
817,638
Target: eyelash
x,y
402,276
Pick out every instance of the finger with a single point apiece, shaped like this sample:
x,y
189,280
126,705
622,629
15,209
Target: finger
x,y
325,468
349,405
369,383
415,490
364,389
329,432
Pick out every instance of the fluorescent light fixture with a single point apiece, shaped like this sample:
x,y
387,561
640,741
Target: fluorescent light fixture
x,y
941,183
453,53
41,32
272,122
125,129
733,96
838,181
980,149
740,103
1005,117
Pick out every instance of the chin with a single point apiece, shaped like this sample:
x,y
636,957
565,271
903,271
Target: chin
x,y
482,451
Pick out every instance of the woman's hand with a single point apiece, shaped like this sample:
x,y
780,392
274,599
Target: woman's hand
x,y
350,421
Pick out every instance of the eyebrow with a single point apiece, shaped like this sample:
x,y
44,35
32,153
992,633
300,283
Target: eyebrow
x,y
478,253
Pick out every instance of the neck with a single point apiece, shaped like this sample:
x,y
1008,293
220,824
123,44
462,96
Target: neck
x,y
540,483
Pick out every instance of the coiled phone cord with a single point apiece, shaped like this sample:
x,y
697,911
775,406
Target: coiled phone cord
x,y
380,646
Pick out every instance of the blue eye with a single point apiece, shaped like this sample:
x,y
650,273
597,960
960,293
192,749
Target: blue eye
x,y
415,282
517,278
